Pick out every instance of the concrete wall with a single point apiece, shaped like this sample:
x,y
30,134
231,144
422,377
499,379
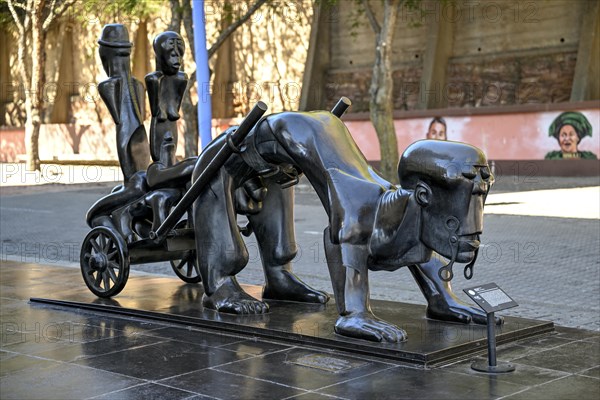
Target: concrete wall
x,y
492,53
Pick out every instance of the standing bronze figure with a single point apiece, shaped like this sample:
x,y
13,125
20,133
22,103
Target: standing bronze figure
x,y
166,87
124,98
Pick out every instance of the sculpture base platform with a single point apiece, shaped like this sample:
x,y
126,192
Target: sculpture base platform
x,y
429,342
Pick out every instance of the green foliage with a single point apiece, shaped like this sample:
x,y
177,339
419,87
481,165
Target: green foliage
x,y
228,12
6,19
358,17
102,11
120,11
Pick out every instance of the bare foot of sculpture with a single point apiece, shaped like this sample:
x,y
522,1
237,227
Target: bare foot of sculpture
x,y
282,284
230,298
448,309
442,303
364,325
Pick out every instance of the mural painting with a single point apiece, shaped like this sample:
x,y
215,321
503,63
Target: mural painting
x,y
569,128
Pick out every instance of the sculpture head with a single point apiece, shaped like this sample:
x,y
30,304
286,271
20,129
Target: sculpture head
x,y
169,49
450,182
114,42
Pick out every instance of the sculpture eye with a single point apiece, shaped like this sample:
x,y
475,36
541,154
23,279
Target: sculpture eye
x,y
469,172
485,173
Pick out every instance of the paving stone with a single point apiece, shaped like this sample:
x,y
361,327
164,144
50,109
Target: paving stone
x,y
570,387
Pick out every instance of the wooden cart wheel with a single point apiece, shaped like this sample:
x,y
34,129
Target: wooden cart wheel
x,y
104,262
187,267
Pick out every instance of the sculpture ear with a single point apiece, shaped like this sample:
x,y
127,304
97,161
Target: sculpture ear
x,y
423,194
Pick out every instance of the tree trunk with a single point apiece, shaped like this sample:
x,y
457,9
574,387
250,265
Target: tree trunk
x,y
190,115
222,100
190,110
32,135
381,104
34,95
175,24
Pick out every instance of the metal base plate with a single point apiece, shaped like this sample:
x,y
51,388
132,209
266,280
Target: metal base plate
x,y
483,366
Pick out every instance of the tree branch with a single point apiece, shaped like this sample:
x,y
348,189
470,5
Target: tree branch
x,y
49,17
13,12
192,79
27,20
231,28
188,25
399,6
18,5
56,12
371,16
175,24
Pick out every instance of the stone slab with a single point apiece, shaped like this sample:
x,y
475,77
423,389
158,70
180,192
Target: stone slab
x,y
429,342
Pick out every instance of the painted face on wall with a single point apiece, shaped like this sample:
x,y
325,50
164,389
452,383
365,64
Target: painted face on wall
x,y
437,131
568,139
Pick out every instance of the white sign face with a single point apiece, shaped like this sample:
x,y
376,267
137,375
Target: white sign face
x,y
495,297
490,297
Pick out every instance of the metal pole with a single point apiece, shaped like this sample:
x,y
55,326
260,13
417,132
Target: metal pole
x,y
491,331
202,74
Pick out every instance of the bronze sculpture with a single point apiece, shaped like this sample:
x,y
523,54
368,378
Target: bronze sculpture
x,y
160,187
166,87
251,170
372,223
124,98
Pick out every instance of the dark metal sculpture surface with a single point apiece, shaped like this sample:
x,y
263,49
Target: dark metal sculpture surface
x,y
124,98
373,224
166,87
251,170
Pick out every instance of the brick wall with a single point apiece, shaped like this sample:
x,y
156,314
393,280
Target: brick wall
x,y
514,79
503,53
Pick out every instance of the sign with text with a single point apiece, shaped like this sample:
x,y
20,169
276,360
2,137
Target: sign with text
x,y
490,297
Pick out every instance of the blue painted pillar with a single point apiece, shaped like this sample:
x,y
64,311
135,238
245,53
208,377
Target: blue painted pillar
x,y
202,75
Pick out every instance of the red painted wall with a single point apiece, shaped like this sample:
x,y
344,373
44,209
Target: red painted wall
x,y
502,136
515,136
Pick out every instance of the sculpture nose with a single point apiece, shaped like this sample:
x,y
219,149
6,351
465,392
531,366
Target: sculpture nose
x,y
480,186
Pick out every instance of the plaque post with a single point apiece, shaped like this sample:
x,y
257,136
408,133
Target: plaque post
x,y
491,299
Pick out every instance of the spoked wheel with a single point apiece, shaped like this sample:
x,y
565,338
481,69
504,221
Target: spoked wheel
x,y
104,262
187,267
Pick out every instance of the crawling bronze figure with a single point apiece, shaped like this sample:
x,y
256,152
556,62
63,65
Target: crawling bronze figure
x,y
373,224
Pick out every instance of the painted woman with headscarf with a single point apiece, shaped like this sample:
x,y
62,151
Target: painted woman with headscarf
x,y
568,129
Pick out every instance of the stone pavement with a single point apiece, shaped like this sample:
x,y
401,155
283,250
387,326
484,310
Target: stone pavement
x,y
51,352
549,264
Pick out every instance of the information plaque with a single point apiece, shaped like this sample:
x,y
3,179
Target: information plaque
x,y
490,297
